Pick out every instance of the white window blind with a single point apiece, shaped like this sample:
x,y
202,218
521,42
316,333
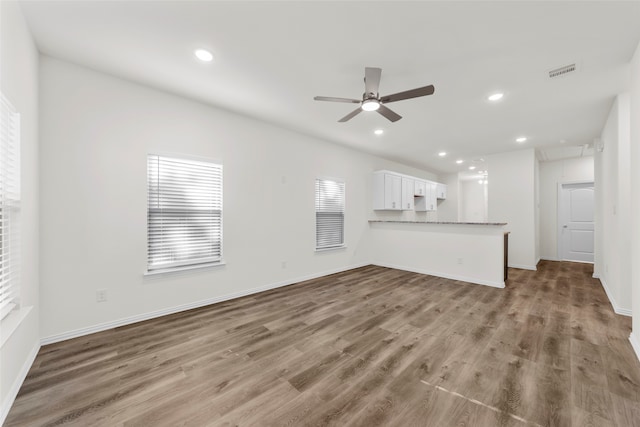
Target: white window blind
x,y
184,212
329,213
9,208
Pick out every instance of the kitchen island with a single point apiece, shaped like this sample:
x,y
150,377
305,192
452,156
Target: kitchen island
x,y
470,252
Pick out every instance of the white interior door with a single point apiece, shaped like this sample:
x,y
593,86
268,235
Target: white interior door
x,y
575,221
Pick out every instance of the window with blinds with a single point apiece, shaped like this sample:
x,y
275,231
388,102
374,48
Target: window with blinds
x,y
184,221
329,213
9,207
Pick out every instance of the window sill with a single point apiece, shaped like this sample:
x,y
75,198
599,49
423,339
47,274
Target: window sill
x,y
10,323
333,248
183,269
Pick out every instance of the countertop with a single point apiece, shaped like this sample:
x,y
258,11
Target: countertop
x,y
440,222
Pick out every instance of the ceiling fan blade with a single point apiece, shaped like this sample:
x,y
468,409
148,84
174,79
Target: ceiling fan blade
x,y
391,115
408,94
351,115
372,80
332,99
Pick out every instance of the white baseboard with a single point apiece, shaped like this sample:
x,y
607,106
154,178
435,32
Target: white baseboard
x,y
616,308
579,262
595,275
15,387
443,275
176,309
544,258
635,344
523,267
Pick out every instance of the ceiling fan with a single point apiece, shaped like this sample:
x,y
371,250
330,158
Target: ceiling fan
x,y
371,99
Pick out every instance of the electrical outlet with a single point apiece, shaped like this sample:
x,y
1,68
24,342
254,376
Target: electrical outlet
x,y
284,264
460,261
101,295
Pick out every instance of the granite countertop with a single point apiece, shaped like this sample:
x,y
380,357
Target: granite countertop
x,y
440,222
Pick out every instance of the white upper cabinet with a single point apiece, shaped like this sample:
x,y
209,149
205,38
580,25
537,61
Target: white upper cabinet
x,y
420,188
407,193
387,191
428,201
422,201
393,191
431,202
441,190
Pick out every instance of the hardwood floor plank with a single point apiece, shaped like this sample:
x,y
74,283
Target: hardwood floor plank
x,y
626,412
622,378
556,350
368,347
587,419
516,390
552,406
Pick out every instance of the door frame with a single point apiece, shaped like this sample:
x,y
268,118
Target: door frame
x,y
559,215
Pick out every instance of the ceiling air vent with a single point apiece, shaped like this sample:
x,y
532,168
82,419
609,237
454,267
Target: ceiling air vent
x,y
562,71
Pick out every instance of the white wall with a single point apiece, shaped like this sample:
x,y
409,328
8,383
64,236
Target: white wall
x,y
613,204
19,83
512,200
448,208
536,183
635,198
96,132
473,201
471,253
552,174
623,209
598,250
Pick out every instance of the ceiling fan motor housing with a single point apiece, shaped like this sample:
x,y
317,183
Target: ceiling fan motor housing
x,y
370,95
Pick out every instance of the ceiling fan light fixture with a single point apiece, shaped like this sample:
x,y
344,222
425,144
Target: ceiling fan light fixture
x,y
372,101
203,55
370,105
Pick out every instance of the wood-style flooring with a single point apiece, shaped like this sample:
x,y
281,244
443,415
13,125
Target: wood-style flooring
x,y
368,347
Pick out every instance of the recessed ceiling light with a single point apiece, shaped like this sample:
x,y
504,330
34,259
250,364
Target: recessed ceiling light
x,y
495,96
521,139
442,153
471,168
459,161
480,181
370,105
378,131
203,55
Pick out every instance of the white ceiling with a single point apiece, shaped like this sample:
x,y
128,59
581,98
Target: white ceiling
x,y
272,58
